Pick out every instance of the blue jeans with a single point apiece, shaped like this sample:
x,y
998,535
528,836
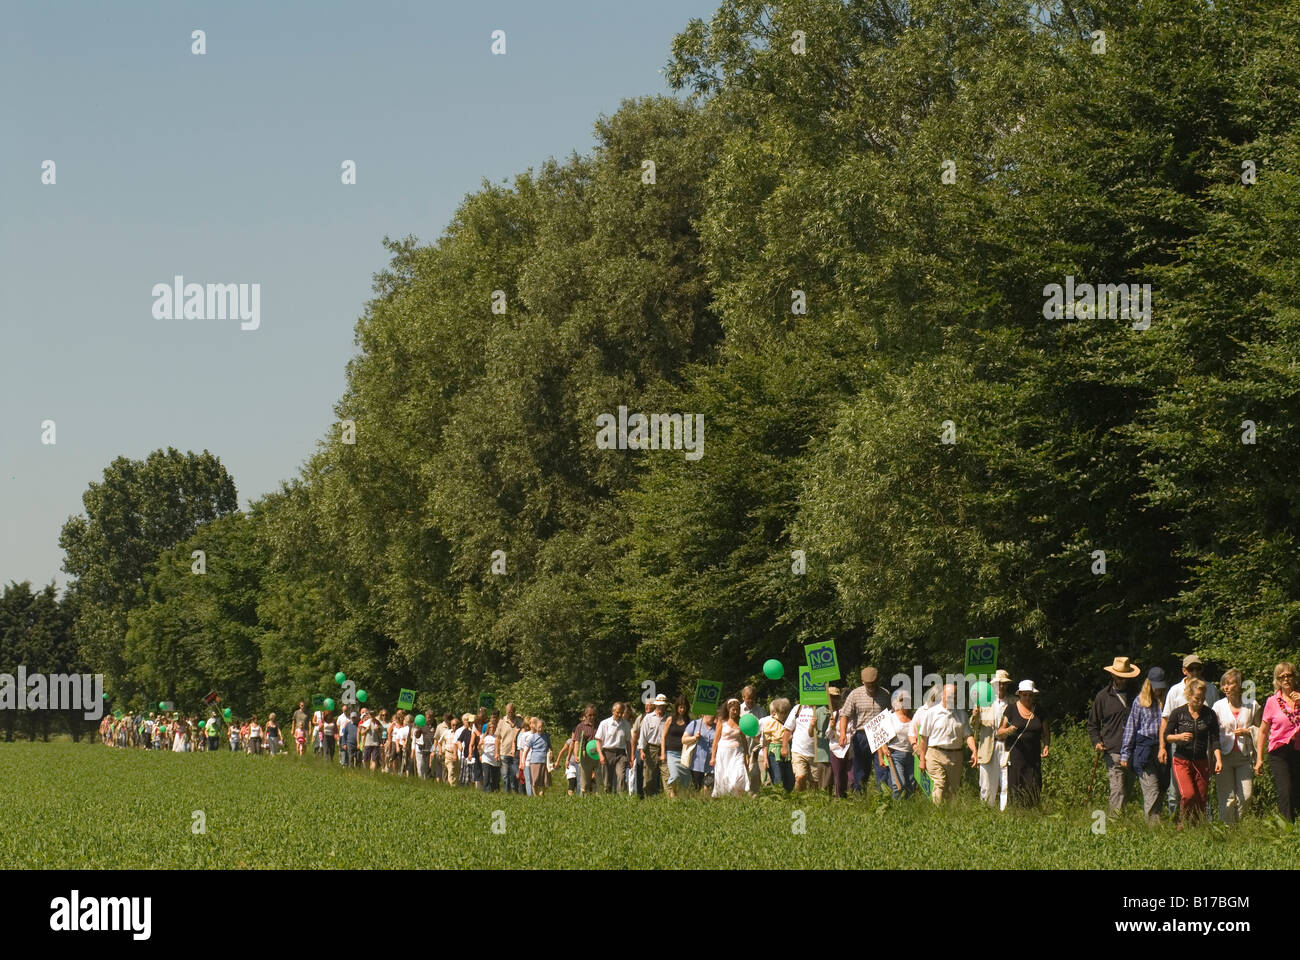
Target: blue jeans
x,y
675,773
509,771
865,761
906,774
781,772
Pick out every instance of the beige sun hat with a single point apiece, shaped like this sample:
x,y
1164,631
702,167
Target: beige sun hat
x,y
1123,667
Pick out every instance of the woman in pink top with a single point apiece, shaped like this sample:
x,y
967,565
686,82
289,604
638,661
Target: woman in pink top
x,y
1279,735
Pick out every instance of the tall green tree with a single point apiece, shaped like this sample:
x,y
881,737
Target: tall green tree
x,y
138,509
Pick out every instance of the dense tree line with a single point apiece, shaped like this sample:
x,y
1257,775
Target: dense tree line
x,y
840,263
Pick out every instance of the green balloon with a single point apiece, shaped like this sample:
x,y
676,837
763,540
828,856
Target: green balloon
x,y
162,704
419,720
773,670
340,677
329,703
226,713
361,696
982,692
749,725
592,750
202,724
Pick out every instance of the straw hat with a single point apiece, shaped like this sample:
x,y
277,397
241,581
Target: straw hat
x,y
1123,667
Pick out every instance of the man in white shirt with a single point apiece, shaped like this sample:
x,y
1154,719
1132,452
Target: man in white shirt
x,y
800,739
939,741
612,738
1175,698
989,749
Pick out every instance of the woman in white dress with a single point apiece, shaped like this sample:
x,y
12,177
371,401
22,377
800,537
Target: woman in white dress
x,y
180,742
730,747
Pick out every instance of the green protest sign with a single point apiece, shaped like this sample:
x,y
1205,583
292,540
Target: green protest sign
x,y
810,691
708,694
981,655
405,699
318,701
487,700
823,662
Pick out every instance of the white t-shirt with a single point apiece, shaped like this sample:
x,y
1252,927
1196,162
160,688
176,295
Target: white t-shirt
x,y
797,723
400,735
490,750
1177,696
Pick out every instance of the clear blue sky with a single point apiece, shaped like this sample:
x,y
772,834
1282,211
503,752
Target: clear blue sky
x,y
225,168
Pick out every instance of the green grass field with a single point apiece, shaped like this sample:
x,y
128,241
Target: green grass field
x,y
87,806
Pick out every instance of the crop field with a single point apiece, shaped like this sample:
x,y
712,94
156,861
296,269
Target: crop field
x,y
86,806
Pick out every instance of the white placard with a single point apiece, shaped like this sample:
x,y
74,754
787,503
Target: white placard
x,y
880,729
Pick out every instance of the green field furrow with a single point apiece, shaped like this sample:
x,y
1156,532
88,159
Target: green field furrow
x,y
86,806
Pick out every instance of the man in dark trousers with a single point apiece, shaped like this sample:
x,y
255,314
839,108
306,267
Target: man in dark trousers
x,y
1106,723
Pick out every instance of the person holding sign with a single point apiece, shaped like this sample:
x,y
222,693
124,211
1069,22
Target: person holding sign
x,y
939,740
984,721
900,749
700,732
1027,737
863,703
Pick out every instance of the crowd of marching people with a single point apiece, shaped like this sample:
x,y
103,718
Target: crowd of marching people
x,y
1169,739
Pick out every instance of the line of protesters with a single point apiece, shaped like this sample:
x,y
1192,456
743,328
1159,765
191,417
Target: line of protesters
x,y
1169,739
